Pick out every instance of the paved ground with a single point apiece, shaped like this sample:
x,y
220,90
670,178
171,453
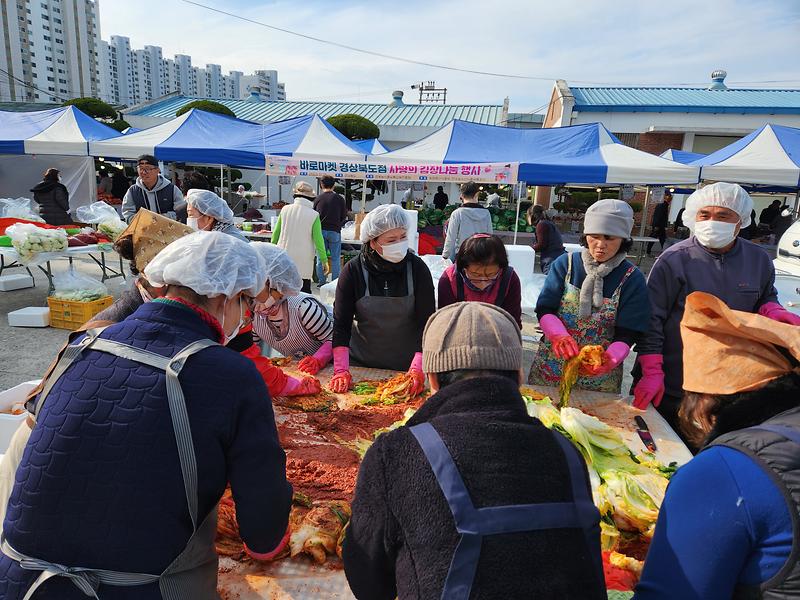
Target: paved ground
x,y
25,353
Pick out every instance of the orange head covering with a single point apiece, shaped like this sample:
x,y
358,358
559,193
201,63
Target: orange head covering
x,y
151,233
728,351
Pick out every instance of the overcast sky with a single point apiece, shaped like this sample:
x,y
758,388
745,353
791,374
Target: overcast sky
x,y
636,42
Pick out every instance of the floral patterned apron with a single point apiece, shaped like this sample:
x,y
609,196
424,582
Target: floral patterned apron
x,y
596,329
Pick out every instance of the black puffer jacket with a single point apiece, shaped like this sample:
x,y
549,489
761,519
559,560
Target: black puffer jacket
x,y
402,536
53,200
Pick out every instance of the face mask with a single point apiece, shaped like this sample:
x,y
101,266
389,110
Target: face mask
x,y
715,234
228,337
396,252
192,222
270,305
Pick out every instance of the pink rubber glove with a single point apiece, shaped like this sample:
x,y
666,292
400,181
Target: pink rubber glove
x,y
314,364
564,345
341,380
774,311
651,386
613,357
301,387
266,556
415,370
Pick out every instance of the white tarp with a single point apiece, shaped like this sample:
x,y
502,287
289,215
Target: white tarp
x,y
18,174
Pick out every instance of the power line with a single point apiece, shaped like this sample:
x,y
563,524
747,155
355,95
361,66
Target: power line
x,y
31,86
433,65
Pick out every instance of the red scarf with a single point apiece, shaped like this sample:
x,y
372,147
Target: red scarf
x,y
204,315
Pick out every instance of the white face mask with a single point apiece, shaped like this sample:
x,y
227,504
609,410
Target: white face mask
x,y
229,336
192,222
715,234
396,252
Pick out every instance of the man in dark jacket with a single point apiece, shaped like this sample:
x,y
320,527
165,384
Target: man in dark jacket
x,y
53,199
660,222
473,446
440,199
152,191
332,211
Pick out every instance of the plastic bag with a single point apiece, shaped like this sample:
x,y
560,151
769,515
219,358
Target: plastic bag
x,y
349,230
104,216
20,208
30,241
436,265
78,287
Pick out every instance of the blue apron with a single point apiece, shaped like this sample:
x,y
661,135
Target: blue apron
x,y
474,523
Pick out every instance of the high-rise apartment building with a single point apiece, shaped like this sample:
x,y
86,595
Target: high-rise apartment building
x,y
265,82
49,50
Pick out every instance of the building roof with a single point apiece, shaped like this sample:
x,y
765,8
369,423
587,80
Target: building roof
x,y
407,115
673,99
26,106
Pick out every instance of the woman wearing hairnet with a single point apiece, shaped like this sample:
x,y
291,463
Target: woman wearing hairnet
x,y
208,212
383,300
712,260
139,428
288,320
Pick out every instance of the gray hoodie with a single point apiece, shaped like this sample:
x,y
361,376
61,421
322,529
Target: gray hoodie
x,y
129,207
464,223
743,278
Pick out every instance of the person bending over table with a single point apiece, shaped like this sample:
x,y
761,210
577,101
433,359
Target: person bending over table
x,y
292,322
728,525
383,300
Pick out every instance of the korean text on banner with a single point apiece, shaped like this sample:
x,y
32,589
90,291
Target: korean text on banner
x,y
505,173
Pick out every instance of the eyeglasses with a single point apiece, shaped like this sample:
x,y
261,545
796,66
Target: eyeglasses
x,y
146,170
480,279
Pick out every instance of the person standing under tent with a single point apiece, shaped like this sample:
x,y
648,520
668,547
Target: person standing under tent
x,y
768,215
549,244
593,297
416,531
741,495
146,422
440,199
481,273
466,221
287,320
383,300
660,222
205,211
52,197
299,233
712,260
332,211
151,191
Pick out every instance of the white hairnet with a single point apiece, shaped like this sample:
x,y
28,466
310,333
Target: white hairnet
x,y
282,273
209,204
210,263
727,195
382,219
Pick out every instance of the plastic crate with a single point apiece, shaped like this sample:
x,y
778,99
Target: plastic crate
x,y
71,314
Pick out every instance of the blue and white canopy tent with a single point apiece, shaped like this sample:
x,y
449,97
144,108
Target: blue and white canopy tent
x,y
207,138
32,142
587,154
60,131
373,146
769,156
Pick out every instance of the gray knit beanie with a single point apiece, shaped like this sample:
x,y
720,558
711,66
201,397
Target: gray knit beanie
x,y
471,336
609,217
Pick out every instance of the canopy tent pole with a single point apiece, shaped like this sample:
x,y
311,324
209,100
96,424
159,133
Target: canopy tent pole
x,y
796,209
644,212
364,196
221,178
522,185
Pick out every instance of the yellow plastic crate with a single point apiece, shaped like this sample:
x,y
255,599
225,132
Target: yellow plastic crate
x,y
71,314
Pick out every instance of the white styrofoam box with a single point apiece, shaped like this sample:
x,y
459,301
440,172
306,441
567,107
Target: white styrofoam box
x,y
8,422
413,236
30,316
17,281
522,258
788,287
268,213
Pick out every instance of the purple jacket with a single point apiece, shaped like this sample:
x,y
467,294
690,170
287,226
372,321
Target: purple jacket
x,y
744,279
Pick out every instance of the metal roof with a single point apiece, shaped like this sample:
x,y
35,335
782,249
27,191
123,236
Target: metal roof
x,y
407,115
664,99
27,106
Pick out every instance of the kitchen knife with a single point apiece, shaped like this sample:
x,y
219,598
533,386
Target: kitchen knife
x,y
644,434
